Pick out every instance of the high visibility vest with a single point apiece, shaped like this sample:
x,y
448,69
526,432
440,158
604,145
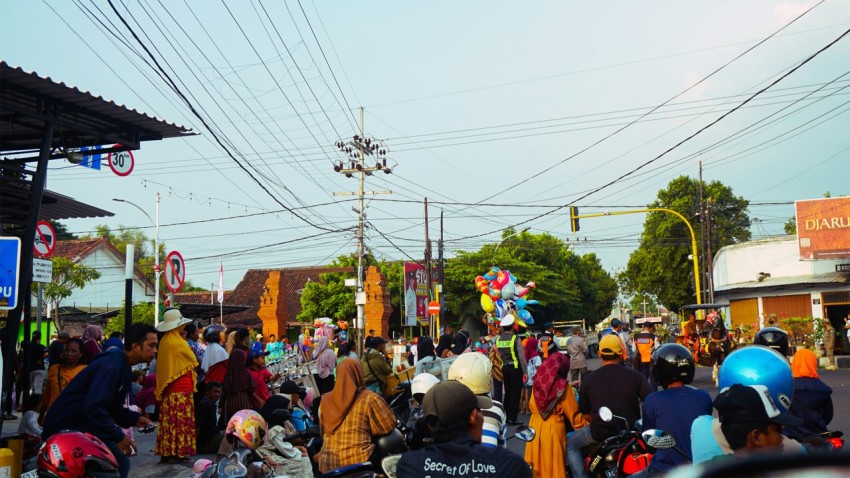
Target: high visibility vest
x,y
508,351
544,347
644,342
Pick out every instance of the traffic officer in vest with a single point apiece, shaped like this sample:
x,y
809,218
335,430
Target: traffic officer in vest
x,y
514,367
645,342
617,327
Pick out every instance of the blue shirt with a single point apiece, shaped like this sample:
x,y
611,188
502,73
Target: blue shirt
x,y
674,410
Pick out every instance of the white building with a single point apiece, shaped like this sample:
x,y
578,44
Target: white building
x,y
764,277
106,293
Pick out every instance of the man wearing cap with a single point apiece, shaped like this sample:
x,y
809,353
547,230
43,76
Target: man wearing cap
x,y
750,420
454,415
514,367
614,386
375,366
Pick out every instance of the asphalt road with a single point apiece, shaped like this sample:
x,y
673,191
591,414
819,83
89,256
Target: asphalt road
x,y
838,380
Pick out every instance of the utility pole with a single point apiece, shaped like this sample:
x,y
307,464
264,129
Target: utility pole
x,y
701,213
357,149
428,278
710,261
440,265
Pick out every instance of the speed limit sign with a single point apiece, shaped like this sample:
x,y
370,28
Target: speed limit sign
x,y
121,162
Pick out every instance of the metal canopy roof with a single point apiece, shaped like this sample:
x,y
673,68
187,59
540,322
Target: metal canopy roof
x,y
79,117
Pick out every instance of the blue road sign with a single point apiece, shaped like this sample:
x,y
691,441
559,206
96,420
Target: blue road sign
x,y
90,160
10,267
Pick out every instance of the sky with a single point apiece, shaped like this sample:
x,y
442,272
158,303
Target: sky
x,y
500,113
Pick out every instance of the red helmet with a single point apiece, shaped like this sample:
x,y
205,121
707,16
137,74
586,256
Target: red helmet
x,y
76,455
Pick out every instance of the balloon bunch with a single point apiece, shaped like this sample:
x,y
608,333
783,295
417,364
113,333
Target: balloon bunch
x,y
324,327
500,295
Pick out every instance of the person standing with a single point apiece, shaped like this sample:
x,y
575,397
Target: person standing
x,y
175,385
514,367
619,388
237,391
617,326
645,344
94,401
325,364
828,340
553,406
274,349
60,374
214,363
577,350
532,360
496,373
92,336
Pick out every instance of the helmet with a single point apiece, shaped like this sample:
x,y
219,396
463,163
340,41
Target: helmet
x,y
473,370
76,455
759,365
212,333
672,363
249,427
546,345
423,382
774,338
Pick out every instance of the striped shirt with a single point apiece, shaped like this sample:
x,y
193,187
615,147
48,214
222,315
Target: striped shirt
x,y
495,427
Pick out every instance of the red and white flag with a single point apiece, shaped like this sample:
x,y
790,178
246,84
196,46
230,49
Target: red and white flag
x,y
221,283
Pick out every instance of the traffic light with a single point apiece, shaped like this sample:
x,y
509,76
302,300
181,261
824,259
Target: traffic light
x,y
574,226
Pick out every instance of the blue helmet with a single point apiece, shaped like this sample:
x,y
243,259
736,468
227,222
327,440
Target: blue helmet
x,y
759,365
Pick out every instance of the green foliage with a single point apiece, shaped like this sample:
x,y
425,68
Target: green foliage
x,y
143,313
329,297
67,276
62,233
636,304
143,248
188,286
790,226
660,265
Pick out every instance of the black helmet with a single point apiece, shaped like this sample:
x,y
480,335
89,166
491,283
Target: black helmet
x,y
672,363
547,345
773,337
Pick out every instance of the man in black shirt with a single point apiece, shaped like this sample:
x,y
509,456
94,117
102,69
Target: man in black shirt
x,y
453,413
208,435
614,386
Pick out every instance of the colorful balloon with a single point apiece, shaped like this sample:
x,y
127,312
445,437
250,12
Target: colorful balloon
x,y
491,274
508,290
487,303
481,284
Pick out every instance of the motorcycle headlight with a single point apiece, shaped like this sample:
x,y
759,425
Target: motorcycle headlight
x,y
610,457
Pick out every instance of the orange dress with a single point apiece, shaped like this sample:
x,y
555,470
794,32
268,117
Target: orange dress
x,y
546,453
57,379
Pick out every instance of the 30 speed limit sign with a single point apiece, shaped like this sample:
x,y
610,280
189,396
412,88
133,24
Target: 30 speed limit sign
x,y
121,162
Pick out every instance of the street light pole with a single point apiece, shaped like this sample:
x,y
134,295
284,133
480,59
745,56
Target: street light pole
x,y
156,269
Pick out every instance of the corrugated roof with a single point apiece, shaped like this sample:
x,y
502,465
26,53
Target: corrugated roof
x,y
792,282
81,118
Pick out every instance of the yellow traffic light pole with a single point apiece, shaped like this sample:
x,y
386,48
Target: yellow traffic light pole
x,y
574,217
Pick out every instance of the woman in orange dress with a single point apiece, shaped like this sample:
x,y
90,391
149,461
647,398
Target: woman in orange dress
x,y
175,383
553,404
60,375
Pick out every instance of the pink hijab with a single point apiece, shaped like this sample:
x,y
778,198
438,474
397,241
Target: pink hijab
x,y
325,357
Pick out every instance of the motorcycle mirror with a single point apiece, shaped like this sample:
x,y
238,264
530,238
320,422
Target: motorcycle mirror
x,y
525,433
658,439
605,414
389,465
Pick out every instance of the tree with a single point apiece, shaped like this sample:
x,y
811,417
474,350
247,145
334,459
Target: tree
x,y
142,254
67,276
639,301
660,265
142,314
62,233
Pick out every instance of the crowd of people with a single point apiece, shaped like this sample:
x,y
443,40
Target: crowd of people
x,y
191,384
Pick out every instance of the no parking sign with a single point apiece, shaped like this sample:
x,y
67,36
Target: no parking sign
x,y
175,271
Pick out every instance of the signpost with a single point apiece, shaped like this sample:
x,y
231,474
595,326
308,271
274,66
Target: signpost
x,y
91,160
42,271
175,271
434,307
45,240
10,266
122,162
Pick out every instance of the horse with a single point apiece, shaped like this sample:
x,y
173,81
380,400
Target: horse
x,y
715,345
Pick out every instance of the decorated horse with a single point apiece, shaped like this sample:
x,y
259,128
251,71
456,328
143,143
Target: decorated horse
x,y
708,339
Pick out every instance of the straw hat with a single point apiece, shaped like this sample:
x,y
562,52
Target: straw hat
x,y
171,319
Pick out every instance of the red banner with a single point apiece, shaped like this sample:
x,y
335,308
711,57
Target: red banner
x,y
416,295
823,228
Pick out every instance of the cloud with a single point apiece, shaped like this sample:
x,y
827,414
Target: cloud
x,y
786,11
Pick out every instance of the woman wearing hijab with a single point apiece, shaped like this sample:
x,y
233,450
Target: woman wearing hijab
x,y
91,342
553,404
532,358
461,344
325,363
812,398
60,374
214,363
427,355
175,384
350,416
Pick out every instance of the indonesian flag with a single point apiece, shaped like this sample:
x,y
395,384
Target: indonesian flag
x,y
221,283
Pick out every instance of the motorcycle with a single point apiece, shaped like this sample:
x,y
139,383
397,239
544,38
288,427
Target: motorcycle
x,y
627,452
829,441
390,463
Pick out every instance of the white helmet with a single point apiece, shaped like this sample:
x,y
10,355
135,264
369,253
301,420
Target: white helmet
x,y
507,320
473,370
422,383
